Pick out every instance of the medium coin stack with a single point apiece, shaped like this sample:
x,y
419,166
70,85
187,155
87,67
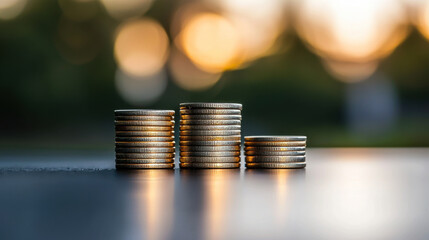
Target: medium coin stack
x,y
210,135
144,139
275,151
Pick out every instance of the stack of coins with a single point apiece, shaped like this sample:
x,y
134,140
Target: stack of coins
x,y
144,139
210,135
275,151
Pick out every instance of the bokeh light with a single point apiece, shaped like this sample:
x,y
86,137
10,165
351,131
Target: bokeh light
x,y
188,76
122,9
350,71
423,18
141,47
10,9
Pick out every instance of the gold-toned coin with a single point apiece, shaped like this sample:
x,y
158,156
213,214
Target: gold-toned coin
x,y
145,144
209,148
209,133
276,165
144,161
144,139
209,127
143,112
202,111
210,143
144,123
210,122
276,144
274,159
210,154
273,149
144,118
145,166
211,105
268,153
145,128
210,138
145,155
210,117
144,150
209,165
274,138
209,159
144,134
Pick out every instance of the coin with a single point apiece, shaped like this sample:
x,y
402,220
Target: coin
x,y
209,148
210,143
210,138
210,111
144,128
144,123
143,134
276,144
141,161
274,138
274,149
268,153
209,133
143,112
145,155
144,150
145,144
210,127
144,139
209,154
211,105
275,159
145,165
276,165
210,122
210,117
145,118
209,159
209,165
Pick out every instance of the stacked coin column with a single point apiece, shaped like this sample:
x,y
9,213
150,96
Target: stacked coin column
x,y
275,151
144,139
210,135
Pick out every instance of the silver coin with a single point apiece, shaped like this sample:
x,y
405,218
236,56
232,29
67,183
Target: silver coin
x,y
276,144
211,105
210,111
145,155
145,144
275,159
273,149
210,127
143,161
210,122
209,165
144,128
209,154
143,112
145,166
144,139
145,118
209,133
143,134
209,148
210,143
144,123
276,165
210,138
268,153
274,138
210,117
144,150
210,159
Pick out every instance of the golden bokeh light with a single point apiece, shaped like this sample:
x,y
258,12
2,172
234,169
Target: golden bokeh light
x,y
423,18
141,47
187,75
10,9
349,71
211,42
122,9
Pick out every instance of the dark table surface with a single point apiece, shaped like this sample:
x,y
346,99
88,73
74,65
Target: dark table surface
x,y
342,194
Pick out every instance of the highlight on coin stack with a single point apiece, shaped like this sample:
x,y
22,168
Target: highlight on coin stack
x,y
275,151
210,135
144,139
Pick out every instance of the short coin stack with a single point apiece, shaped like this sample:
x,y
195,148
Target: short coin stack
x,y
144,139
275,151
210,135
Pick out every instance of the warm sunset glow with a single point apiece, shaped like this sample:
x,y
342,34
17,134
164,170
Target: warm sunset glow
x,y
141,47
121,9
10,9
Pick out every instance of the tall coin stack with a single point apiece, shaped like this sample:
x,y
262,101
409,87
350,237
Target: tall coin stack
x,y
210,135
275,151
144,139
